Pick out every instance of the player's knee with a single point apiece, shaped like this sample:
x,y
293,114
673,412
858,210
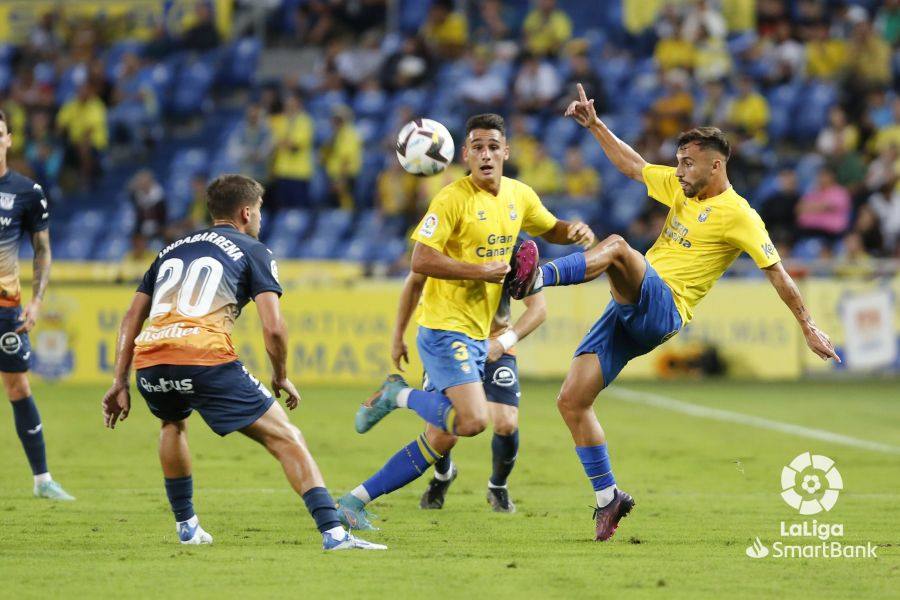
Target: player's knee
x,y
616,246
472,425
17,388
568,404
506,426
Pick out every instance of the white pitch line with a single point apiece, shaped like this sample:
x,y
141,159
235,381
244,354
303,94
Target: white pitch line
x,y
717,414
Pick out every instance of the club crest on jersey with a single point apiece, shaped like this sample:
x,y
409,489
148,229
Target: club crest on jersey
x,y
513,215
7,200
702,217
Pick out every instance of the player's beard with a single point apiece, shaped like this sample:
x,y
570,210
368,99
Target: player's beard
x,y
693,189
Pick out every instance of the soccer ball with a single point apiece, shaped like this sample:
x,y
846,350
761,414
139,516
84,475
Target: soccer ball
x,y
424,147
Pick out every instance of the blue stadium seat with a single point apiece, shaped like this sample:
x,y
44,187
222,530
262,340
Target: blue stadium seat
x,y
818,98
111,248
192,84
113,56
5,76
77,245
370,104
69,82
808,248
239,63
292,223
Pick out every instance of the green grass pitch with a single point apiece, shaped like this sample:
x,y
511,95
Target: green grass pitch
x,y
704,490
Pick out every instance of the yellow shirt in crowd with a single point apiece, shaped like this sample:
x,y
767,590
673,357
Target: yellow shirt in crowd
x,y
79,119
296,161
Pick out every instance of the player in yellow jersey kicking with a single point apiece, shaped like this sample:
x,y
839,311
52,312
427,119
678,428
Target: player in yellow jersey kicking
x,y
653,297
463,245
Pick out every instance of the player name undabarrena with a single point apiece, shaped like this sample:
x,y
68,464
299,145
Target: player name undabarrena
x,y
228,247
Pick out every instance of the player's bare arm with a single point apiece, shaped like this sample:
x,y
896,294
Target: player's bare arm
x,y
817,340
535,314
429,262
40,241
624,157
570,232
116,402
409,299
276,337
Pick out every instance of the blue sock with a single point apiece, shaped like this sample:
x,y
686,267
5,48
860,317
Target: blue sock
x,y
31,433
320,505
443,464
595,460
504,449
181,497
566,270
403,467
434,408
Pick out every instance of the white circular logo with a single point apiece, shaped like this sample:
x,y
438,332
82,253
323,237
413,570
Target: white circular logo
x,y
273,266
10,342
811,483
504,377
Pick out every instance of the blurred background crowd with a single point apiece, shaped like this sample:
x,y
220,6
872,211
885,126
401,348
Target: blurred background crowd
x,y
124,122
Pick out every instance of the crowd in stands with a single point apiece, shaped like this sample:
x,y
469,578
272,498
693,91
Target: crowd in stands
x,y
806,90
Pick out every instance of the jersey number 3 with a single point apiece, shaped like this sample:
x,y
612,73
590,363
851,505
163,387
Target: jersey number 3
x,y
204,273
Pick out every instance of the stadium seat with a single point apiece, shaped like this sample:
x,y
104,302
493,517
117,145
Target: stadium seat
x,y
808,248
192,84
111,248
239,63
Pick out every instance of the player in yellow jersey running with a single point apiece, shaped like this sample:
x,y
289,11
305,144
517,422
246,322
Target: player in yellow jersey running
x,y
463,245
653,297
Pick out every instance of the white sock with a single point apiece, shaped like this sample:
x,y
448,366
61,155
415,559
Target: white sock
x,y
444,476
362,494
42,478
338,533
192,522
495,487
605,496
403,397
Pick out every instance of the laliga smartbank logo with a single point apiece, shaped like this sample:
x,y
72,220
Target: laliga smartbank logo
x,y
811,484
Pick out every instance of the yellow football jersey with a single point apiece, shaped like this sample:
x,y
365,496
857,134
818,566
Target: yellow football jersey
x,y
471,225
701,238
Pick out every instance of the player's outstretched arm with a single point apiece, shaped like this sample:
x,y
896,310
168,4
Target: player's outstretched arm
x,y
624,157
275,336
570,232
535,314
431,263
409,299
40,241
117,400
817,340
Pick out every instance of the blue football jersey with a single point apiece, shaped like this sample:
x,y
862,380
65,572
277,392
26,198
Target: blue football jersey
x,y
198,286
23,209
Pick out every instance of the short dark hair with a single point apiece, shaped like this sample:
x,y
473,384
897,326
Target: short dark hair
x,y
486,121
227,194
708,138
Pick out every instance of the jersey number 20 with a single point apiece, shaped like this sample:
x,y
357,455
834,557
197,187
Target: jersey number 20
x,y
204,272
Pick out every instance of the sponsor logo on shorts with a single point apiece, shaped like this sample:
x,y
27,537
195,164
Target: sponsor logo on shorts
x,y
10,342
504,377
185,386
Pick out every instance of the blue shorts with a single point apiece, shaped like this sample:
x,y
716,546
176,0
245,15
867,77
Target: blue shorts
x,y
15,348
227,396
626,331
450,358
501,381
